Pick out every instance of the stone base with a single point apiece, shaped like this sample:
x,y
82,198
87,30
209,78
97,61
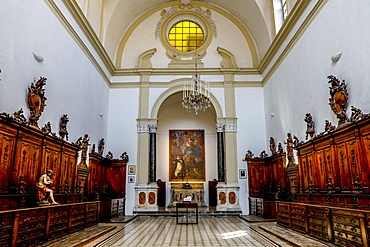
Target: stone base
x,y
146,197
228,197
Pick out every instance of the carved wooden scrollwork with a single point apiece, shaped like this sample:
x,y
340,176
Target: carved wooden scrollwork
x,y
36,101
338,99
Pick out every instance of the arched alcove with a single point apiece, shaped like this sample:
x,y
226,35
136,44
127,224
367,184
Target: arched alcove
x,y
172,116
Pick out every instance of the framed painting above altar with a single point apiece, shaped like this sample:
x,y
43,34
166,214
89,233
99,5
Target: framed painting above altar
x,y
186,155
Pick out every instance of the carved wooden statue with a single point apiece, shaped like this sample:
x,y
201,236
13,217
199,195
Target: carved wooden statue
x,y
45,193
280,148
272,146
338,99
249,155
101,147
328,126
84,147
289,149
310,131
36,101
63,132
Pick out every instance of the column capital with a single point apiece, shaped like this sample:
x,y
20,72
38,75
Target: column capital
x,y
220,127
153,128
146,125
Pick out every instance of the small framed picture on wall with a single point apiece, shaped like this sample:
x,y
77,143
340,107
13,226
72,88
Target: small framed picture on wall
x,y
131,179
242,173
131,170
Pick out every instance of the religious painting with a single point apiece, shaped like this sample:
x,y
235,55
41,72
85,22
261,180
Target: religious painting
x,y
187,155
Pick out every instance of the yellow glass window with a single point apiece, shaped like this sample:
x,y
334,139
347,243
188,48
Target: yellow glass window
x,y
186,36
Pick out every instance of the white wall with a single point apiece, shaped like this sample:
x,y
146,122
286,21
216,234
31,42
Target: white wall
x,y
300,86
122,134
73,86
251,132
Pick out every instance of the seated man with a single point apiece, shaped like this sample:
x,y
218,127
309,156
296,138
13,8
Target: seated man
x,y
43,188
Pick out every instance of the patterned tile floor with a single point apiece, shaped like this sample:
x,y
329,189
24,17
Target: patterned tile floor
x,y
210,231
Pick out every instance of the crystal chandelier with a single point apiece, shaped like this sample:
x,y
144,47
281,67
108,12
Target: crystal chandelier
x,y
195,95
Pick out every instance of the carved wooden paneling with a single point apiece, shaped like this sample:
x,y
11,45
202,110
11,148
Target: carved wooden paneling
x,y
342,226
68,169
7,145
256,176
344,170
28,153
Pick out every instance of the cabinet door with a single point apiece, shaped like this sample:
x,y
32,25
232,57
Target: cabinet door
x,y
366,158
320,170
27,162
311,168
344,171
354,160
6,160
329,161
303,174
68,169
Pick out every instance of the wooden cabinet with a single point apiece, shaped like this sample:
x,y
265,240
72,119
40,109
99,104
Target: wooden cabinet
x,y
283,214
318,222
33,226
267,183
107,183
347,228
342,226
298,217
262,207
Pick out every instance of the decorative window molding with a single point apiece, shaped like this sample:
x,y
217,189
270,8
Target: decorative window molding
x,y
185,11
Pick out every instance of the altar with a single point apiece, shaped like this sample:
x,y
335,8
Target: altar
x,y
179,192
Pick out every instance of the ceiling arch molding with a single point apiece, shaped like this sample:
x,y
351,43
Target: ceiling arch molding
x,y
243,29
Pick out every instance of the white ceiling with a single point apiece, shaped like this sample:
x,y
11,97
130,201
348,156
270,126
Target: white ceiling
x,y
119,15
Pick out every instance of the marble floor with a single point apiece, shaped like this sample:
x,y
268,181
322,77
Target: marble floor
x,y
210,231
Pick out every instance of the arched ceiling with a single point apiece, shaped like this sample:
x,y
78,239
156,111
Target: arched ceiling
x,y
118,18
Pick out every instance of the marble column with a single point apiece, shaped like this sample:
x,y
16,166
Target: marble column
x,y
220,152
152,153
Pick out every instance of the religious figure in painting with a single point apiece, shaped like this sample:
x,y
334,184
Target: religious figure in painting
x,y
179,165
45,193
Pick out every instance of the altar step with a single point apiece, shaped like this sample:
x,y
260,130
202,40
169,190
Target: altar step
x,y
203,212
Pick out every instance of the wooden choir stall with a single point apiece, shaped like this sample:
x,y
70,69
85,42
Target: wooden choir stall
x,y
44,192
328,188
107,183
